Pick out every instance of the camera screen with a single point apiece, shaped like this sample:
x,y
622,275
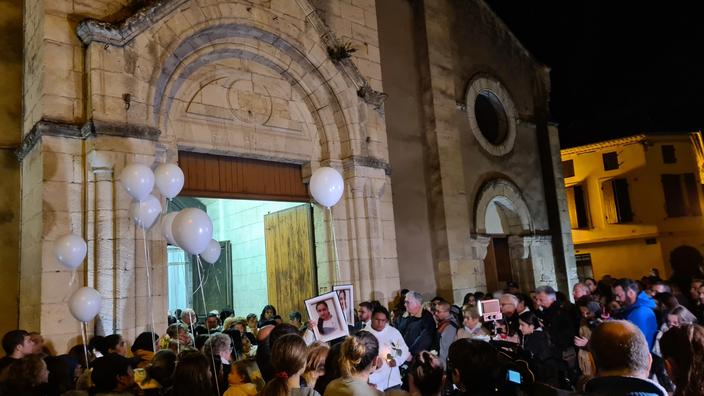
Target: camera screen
x,y
514,376
489,306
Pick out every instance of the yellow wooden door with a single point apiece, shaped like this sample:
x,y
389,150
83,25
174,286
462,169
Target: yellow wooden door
x,y
290,265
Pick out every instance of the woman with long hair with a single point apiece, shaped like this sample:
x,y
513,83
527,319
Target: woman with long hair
x,y
143,348
268,314
288,360
192,375
157,378
537,350
683,350
359,356
315,363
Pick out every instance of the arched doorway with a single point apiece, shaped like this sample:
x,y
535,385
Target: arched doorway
x,y
503,220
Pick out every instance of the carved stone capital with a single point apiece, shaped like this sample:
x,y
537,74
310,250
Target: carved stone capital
x,y
479,245
371,97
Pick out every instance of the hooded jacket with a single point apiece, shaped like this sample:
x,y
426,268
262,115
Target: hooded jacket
x,y
642,314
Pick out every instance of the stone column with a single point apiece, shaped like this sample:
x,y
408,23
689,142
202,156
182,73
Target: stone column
x,y
543,261
473,275
521,266
101,213
365,236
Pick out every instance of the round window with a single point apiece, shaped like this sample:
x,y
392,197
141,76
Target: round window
x,y
491,117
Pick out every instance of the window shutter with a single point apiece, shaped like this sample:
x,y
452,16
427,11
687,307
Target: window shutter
x,y
690,186
623,200
674,199
609,202
574,222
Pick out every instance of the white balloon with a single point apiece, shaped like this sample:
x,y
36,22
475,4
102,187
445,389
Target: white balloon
x,y
169,179
212,252
145,213
192,230
326,186
70,250
137,180
84,304
166,223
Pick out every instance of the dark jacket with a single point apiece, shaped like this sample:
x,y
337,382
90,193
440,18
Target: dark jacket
x,y
542,359
560,326
419,333
623,386
642,314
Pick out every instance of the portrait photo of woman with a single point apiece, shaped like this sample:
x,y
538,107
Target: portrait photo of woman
x,y
326,313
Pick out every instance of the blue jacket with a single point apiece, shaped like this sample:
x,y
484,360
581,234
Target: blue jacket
x,y
642,314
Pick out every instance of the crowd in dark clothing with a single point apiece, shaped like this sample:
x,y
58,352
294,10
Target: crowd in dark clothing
x,y
613,337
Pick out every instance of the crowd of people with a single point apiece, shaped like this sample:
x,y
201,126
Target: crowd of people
x,y
613,337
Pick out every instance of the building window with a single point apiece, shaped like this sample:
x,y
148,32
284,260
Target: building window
x,y
492,115
617,201
681,195
610,160
668,154
568,168
584,266
578,207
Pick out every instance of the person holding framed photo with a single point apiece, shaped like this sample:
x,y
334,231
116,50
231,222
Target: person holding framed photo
x,y
327,319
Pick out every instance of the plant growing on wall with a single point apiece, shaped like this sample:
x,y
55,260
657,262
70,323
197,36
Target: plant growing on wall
x,y
340,52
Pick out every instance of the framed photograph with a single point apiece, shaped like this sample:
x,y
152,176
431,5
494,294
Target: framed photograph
x,y
345,295
326,313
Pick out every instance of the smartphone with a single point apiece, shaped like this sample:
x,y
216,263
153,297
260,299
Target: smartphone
x,y
513,376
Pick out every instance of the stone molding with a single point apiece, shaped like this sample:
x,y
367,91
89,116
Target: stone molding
x,y
92,30
118,35
47,127
368,162
502,189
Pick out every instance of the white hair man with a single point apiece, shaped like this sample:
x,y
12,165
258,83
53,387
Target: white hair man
x,y
418,325
190,319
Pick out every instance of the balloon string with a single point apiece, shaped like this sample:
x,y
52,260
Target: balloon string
x,y
202,293
205,282
334,244
150,309
84,335
70,283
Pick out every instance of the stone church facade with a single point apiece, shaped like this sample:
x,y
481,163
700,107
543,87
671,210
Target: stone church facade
x,y
106,84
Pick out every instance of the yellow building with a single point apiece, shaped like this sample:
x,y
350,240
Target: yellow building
x,y
632,201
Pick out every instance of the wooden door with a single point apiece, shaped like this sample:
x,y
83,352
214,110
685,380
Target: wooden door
x,y
497,264
217,282
290,265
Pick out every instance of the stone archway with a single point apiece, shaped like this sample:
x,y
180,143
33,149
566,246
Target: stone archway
x,y
234,77
504,231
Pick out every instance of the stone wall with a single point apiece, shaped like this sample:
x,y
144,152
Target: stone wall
x,y
436,54
238,78
10,134
407,147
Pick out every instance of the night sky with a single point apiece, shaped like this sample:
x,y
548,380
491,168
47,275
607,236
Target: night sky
x,y
618,68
